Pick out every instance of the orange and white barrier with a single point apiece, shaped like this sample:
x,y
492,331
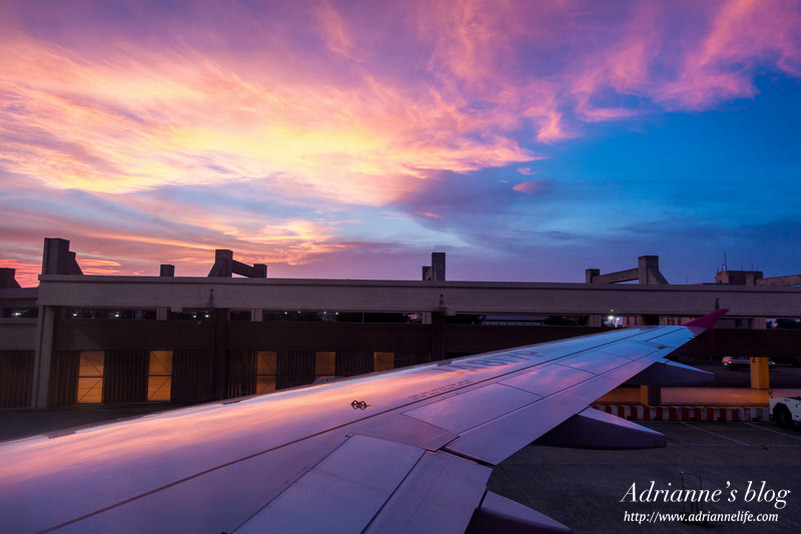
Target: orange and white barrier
x,y
639,412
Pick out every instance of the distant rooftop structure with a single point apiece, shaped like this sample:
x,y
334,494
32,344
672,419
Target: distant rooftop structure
x,y
8,278
646,272
755,278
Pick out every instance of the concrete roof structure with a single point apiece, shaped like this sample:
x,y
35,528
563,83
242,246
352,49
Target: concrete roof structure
x,y
63,284
72,313
140,292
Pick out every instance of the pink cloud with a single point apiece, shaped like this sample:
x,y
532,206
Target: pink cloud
x,y
743,35
138,124
530,188
431,215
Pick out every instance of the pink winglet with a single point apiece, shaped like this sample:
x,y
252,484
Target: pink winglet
x,y
707,321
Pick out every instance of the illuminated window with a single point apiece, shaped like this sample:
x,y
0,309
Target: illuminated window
x,y
90,377
159,375
325,363
265,370
383,361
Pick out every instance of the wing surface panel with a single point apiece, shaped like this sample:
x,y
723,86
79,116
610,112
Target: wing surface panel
x,y
547,379
595,363
218,500
630,349
398,427
466,410
498,439
671,336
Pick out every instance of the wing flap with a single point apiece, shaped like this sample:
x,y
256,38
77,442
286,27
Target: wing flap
x,y
438,497
375,485
340,494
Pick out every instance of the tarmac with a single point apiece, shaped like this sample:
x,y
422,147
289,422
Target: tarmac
x,y
586,489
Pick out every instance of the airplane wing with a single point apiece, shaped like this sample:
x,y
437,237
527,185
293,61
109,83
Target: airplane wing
x,y
408,450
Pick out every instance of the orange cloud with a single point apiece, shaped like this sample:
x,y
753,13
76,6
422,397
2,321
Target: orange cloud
x,y
117,124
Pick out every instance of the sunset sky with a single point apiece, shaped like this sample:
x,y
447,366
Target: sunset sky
x,y
527,140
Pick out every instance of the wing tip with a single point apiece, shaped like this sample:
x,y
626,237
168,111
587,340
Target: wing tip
x,y
707,321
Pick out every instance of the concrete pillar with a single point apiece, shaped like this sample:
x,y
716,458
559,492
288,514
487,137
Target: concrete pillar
x,y
760,378
54,250
757,323
223,264
168,271
590,274
40,390
57,258
651,395
438,266
438,336
219,367
596,321
435,271
257,315
648,271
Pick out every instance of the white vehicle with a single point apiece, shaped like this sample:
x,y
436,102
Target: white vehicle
x,y
738,362
786,411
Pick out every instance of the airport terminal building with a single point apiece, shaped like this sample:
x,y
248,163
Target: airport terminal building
x,y
80,339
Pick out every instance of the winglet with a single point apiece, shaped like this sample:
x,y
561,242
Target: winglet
x,y
707,321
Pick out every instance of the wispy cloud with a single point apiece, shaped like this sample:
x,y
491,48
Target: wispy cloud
x,y
146,118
